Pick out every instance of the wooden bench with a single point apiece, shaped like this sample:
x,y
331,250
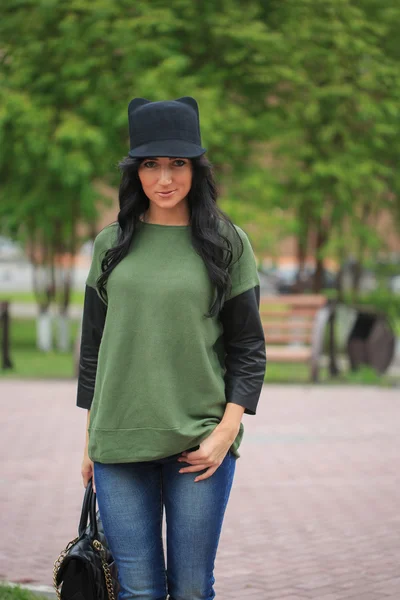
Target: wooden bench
x,y
294,328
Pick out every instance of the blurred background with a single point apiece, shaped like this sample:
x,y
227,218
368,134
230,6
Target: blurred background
x,y
300,113
300,110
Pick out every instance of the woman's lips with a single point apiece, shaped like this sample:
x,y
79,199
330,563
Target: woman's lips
x,y
166,194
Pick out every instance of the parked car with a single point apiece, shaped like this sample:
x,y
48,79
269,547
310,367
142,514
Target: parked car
x,y
285,279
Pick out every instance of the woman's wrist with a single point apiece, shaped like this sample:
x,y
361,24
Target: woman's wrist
x,y
229,430
231,420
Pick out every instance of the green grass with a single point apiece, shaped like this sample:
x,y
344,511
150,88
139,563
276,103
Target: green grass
x,y
30,362
396,326
17,593
287,373
282,373
77,297
366,375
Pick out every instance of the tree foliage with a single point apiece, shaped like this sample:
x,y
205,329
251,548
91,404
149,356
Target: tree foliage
x,y
299,106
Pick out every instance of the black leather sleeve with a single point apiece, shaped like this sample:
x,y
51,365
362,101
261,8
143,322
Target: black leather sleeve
x,y
93,319
245,355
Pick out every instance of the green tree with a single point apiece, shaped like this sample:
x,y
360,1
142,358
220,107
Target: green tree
x,y
68,70
299,112
336,104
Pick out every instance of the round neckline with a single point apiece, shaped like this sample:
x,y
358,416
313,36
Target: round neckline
x,y
165,226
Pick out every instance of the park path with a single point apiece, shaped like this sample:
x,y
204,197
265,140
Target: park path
x,y
313,513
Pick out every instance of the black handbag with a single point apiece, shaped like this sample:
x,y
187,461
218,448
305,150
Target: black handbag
x,y
85,569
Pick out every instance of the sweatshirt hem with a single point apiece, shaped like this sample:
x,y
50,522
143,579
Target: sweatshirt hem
x,y
135,445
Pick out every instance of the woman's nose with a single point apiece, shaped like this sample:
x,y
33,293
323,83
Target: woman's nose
x,y
165,176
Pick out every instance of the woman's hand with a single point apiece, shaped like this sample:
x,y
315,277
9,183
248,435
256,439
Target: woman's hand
x,y
87,471
211,453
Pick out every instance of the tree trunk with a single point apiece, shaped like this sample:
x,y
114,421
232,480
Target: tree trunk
x,y
43,289
358,265
302,247
339,285
321,238
6,362
63,333
44,337
65,275
356,279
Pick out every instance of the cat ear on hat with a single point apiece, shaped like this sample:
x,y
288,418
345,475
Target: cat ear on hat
x,y
190,102
135,103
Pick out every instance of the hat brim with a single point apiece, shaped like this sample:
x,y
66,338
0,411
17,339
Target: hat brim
x,y
168,148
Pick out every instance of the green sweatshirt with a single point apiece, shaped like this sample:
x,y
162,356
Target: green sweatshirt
x,y
159,386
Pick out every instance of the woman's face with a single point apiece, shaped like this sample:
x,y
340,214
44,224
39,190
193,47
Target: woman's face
x,y
166,181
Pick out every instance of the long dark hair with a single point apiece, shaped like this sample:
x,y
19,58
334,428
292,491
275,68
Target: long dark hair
x,y
206,219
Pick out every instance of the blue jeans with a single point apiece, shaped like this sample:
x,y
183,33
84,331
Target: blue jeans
x,y
131,497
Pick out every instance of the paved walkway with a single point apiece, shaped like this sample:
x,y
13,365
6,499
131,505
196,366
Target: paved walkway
x,y
313,514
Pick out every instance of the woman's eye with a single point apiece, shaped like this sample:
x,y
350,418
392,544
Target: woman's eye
x,y
151,164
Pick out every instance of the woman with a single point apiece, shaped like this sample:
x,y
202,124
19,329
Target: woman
x,y
172,355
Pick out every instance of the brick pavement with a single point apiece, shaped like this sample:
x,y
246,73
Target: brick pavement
x,y
313,512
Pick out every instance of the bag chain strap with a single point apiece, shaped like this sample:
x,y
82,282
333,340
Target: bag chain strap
x,y
57,564
107,573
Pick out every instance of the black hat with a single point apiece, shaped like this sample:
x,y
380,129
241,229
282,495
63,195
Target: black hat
x,y
165,128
